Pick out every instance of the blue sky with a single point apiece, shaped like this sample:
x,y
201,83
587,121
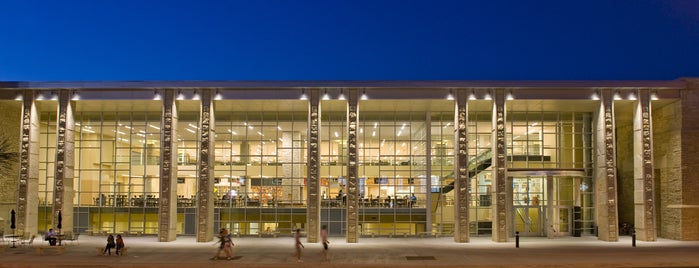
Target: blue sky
x,y
348,40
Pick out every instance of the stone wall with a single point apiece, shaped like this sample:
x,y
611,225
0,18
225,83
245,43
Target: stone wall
x,y
10,114
689,208
668,168
624,160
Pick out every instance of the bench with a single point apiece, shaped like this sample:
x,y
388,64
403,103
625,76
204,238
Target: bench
x,y
40,249
130,233
370,234
423,234
268,234
124,251
404,235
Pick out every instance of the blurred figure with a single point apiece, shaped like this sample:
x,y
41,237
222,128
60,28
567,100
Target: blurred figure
x,y
299,245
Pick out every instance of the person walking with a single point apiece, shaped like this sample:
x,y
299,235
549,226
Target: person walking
x,y
225,242
324,239
110,245
299,245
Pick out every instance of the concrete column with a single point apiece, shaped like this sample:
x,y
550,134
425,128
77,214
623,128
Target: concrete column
x,y
313,182
499,149
28,189
352,167
605,171
205,198
167,211
644,186
64,163
461,178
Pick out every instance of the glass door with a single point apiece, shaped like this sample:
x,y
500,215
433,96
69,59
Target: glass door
x,y
528,205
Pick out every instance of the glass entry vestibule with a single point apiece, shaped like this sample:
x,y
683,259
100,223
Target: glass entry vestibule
x,y
543,202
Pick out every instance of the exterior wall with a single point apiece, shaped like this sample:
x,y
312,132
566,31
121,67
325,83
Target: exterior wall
x,y
689,206
624,158
10,115
667,124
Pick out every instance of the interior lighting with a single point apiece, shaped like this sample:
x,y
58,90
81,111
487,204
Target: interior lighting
x,y
75,96
632,96
342,95
54,96
594,96
218,96
157,96
364,96
487,97
19,97
303,95
509,96
180,96
326,96
196,96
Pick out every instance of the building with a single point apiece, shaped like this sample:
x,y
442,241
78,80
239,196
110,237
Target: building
x,y
365,158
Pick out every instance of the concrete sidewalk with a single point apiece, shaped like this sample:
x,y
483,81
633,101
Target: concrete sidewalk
x,y
370,252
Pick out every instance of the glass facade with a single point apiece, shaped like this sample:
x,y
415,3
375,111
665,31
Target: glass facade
x,y
406,166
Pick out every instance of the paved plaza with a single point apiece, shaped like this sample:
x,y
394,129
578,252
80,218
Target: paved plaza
x,y
370,252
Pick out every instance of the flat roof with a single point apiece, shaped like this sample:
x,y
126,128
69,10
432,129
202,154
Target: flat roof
x,y
676,84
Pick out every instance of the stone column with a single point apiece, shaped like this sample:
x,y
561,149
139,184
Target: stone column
x,y
167,211
605,171
28,188
644,186
313,205
461,179
205,199
352,168
500,213
64,167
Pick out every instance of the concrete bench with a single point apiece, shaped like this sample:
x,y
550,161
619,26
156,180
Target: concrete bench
x,y
123,252
372,235
268,234
40,249
423,234
132,233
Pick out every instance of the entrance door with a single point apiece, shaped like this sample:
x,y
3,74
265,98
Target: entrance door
x,y
528,205
562,220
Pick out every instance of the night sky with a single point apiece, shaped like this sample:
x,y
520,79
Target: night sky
x,y
348,40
